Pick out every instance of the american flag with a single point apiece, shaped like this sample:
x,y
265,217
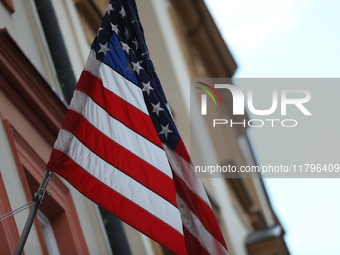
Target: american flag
x,y
119,145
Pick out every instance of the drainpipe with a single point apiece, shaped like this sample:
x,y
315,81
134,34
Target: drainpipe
x,y
115,233
57,48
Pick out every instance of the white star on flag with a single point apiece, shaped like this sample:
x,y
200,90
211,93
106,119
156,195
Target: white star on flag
x,y
147,87
109,8
125,47
165,131
114,28
136,43
136,67
157,108
122,12
103,48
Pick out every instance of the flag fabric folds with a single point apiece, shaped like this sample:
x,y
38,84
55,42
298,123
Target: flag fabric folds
x,y
119,145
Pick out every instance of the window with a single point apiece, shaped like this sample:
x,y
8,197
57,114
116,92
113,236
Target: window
x,y
47,230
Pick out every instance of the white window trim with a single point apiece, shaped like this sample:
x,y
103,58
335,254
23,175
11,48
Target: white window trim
x,y
47,230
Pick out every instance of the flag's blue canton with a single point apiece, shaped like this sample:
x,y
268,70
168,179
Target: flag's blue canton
x,y
120,44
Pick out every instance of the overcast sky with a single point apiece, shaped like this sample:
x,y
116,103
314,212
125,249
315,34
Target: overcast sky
x,y
294,39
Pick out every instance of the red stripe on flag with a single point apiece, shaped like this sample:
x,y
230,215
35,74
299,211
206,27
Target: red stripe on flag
x,y
118,157
182,151
119,109
198,207
193,245
116,204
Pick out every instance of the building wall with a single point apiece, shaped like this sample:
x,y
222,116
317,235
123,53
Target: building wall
x,y
24,28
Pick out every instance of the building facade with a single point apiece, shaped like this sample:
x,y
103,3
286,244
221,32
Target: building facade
x,y
43,47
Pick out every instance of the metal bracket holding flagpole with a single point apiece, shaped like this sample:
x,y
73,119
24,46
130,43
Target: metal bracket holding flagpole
x,y
38,198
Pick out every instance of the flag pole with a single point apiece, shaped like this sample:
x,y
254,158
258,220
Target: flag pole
x,y
38,197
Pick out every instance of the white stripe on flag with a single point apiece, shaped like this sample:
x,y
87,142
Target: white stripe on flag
x,y
118,181
116,83
119,133
196,228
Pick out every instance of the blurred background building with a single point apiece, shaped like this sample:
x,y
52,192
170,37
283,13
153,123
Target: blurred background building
x,y
43,47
